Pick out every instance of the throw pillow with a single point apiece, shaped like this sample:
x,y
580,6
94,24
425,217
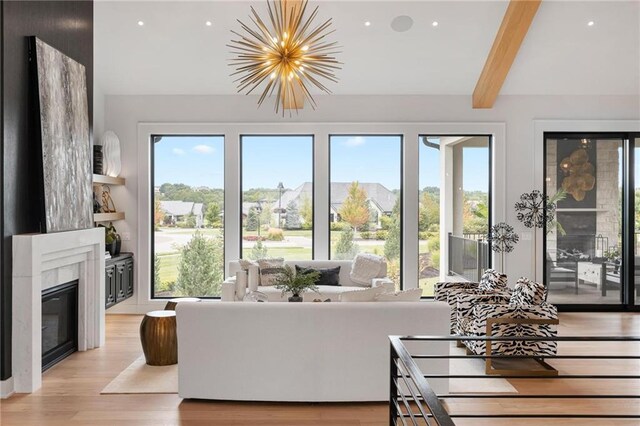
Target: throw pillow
x,y
269,270
411,295
365,267
527,292
328,276
492,280
364,295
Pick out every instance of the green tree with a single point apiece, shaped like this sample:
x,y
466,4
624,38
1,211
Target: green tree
x,y
158,214
306,212
190,220
345,248
213,215
252,220
355,210
292,219
200,271
429,212
258,251
266,215
392,243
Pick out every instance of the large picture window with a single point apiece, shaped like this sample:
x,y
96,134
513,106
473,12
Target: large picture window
x,y
277,197
455,172
365,198
188,216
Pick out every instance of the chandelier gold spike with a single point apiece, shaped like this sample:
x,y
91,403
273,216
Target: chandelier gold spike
x,y
285,58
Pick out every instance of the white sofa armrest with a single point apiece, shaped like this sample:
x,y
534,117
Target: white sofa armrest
x,y
386,283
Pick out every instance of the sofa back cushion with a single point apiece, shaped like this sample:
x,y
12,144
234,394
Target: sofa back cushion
x,y
345,268
361,295
328,276
367,266
269,270
527,292
492,280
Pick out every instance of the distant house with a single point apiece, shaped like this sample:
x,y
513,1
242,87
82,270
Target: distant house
x,y
381,200
177,211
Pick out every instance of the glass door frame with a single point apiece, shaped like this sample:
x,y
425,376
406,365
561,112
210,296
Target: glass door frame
x,y
628,284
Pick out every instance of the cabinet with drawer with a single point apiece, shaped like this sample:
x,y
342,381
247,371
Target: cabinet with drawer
x,y
119,279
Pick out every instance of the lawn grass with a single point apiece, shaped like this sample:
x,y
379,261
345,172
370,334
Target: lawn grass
x,y
168,267
427,284
288,253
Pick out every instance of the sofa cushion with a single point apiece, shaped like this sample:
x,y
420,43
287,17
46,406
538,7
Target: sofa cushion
x,y
367,266
411,295
331,292
492,280
328,276
527,292
361,295
269,270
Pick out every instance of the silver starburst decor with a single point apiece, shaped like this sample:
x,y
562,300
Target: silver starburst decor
x,y
532,209
502,239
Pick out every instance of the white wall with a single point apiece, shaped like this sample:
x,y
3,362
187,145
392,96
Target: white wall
x,y
519,114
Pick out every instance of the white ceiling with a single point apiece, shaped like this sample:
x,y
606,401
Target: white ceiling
x,y
176,53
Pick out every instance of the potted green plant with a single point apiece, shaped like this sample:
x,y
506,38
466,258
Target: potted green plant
x,y
296,284
112,240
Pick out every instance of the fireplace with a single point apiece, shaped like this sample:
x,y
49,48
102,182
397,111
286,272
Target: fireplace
x,y
59,323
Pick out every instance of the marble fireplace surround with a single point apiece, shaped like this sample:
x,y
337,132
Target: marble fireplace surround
x,y
42,261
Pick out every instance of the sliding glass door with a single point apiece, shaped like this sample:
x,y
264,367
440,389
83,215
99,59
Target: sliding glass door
x,y
591,244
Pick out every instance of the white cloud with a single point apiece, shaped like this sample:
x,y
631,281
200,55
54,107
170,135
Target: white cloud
x,y
203,149
355,141
178,151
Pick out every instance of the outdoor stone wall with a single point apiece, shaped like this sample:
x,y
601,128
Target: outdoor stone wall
x,y
552,184
608,195
607,187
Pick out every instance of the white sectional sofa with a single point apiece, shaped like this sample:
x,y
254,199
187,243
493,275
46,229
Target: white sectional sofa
x,y
324,292
301,351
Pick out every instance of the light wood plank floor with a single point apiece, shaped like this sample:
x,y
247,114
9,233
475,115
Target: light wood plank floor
x,y
71,391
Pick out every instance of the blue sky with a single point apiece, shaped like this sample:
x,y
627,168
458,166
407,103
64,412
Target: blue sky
x,y
267,160
475,168
366,159
192,160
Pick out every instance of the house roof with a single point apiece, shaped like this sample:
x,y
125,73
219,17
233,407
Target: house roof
x,y
181,208
376,193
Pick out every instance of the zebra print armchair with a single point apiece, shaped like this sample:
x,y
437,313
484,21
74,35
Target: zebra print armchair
x,y
525,313
491,283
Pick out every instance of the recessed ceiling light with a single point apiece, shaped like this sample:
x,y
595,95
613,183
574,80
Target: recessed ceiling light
x,y
367,24
141,23
208,23
591,23
434,24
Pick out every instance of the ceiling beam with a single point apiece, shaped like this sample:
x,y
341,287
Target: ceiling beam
x,y
513,29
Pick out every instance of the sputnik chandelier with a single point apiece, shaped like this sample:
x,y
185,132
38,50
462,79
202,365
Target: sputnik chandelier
x,y
286,58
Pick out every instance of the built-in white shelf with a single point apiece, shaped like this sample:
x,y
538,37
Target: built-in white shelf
x,y
107,180
108,217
